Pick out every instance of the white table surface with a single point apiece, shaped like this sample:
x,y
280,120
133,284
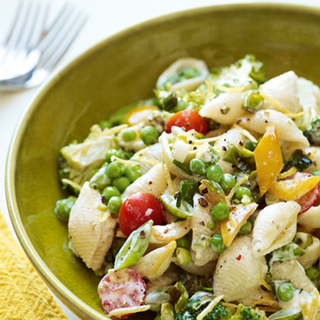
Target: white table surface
x,y
106,17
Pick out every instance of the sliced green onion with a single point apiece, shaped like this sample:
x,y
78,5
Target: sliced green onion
x,y
179,295
134,247
252,101
203,241
303,240
300,160
232,155
182,166
183,256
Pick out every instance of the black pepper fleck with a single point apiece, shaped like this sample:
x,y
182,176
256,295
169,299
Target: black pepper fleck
x,y
204,191
203,202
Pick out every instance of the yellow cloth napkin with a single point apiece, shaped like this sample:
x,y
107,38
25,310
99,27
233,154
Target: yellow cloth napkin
x,y
23,295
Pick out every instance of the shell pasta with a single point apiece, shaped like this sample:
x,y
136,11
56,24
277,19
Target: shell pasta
x,y
202,203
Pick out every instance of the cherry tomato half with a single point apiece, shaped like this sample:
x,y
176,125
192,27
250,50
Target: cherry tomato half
x,y
188,119
121,289
137,210
311,198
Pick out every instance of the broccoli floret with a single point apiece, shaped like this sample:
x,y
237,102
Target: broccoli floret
x,y
245,72
200,300
312,133
191,282
219,312
247,313
78,160
310,122
197,303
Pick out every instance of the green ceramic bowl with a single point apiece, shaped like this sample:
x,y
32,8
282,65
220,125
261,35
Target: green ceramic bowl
x,y
116,72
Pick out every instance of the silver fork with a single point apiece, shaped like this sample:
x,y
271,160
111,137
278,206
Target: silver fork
x,y
19,54
52,47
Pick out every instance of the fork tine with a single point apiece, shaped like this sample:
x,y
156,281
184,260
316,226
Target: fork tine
x,y
67,39
54,29
29,25
19,26
39,24
16,18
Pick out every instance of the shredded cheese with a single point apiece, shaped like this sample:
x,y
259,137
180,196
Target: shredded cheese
x,y
202,141
309,312
120,234
312,154
231,89
246,133
280,107
264,300
167,176
268,309
267,286
171,246
71,183
146,160
172,231
210,88
125,162
209,307
125,311
295,115
238,184
114,130
103,216
287,173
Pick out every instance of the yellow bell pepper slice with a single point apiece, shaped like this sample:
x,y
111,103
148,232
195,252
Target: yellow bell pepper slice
x,y
237,218
293,189
268,159
172,231
139,114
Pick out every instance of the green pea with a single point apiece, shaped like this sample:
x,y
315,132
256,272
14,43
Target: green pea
x,y
316,173
245,229
128,134
115,169
158,317
312,273
121,183
133,172
183,256
100,180
103,124
183,242
285,291
217,244
114,204
113,152
220,211
214,173
228,182
110,192
149,135
198,166
241,191
211,225
64,206
126,155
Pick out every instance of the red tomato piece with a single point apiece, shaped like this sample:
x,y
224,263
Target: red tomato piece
x,y
188,119
121,289
137,210
311,198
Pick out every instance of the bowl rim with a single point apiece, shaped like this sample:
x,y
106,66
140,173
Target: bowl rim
x,y
68,298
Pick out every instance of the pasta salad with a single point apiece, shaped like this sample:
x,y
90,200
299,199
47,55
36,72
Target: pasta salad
x,y
202,202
